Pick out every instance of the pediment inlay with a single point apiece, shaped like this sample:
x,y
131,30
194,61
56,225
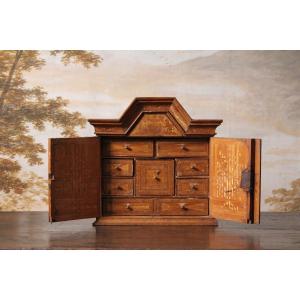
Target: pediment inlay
x,y
155,116
155,124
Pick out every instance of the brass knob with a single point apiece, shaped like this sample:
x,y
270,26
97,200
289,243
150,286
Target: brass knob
x,y
194,167
194,186
183,147
118,167
128,206
182,206
126,146
119,187
156,178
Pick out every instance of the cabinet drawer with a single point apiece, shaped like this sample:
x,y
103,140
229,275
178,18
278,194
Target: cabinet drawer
x,y
117,167
192,187
154,177
127,207
197,207
191,167
182,148
117,186
141,148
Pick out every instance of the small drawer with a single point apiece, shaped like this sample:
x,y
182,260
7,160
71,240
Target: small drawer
x,y
191,167
128,148
182,148
117,167
117,186
137,207
192,187
191,207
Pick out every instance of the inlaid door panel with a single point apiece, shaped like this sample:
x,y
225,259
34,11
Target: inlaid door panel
x,y
154,177
235,179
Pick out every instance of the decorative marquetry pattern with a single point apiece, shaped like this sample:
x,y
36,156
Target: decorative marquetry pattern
x,y
158,124
154,177
227,198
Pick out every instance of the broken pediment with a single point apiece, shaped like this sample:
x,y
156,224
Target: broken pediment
x,y
155,116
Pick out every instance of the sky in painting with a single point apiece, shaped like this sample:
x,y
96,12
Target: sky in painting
x,y
256,93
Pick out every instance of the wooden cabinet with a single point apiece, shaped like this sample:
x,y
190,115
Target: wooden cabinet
x,y
155,165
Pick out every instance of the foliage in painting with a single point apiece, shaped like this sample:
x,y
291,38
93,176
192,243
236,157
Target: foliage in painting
x,y
286,199
33,197
23,108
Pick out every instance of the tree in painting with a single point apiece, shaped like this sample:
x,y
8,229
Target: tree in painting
x,y
23,108
286,199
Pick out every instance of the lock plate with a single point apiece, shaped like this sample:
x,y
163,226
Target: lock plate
x,y
246,180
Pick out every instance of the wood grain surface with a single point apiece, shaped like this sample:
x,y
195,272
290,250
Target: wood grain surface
x,y
31,230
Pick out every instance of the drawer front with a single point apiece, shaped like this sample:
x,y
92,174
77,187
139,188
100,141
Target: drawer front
x,y
182,148
137,207
191,167
154,177
117,167
172,207
141,148
117,186
192,187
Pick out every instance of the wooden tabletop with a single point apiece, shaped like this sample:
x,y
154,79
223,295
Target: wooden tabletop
x,y
31,230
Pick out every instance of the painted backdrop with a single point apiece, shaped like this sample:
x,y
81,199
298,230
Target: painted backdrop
x,y
51,94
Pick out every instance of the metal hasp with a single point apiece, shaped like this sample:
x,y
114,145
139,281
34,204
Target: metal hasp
x,y
246,180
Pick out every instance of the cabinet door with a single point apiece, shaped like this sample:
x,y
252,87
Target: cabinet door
x,y
74,178
235,179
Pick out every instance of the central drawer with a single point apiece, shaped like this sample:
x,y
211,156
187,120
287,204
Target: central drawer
x,y
154,177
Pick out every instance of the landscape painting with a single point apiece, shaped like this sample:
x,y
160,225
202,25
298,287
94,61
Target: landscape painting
x,y
48,94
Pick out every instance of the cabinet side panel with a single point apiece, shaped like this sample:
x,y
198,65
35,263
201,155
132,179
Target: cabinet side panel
x,y
257,181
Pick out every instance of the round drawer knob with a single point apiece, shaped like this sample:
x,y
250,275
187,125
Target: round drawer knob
x,y
118,167
183,147
128,206
156,178
194,186
119,188
126,146
194,167
182,206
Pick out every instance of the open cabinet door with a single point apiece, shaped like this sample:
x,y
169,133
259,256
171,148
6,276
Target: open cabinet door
x,y
74,178
235,179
